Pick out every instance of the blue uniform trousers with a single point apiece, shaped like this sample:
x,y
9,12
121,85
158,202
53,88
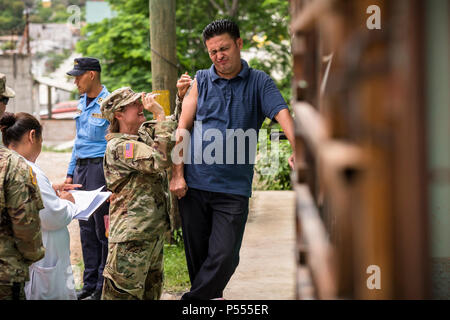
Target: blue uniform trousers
x,y
94,244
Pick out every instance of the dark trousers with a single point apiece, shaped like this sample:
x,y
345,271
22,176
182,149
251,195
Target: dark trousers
x,y
94,243
12,292
213,226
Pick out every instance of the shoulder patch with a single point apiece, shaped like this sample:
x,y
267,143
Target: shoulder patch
x,y
33,176
99,100
129,150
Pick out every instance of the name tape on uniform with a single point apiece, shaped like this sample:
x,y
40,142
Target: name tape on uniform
x,y
97,115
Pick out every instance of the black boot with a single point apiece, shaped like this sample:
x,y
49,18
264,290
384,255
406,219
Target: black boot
x,y
83,293
96,295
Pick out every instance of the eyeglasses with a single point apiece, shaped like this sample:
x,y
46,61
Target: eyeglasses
x,y
4,100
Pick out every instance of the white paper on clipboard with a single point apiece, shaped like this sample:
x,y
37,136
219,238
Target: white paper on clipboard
x,y
88,202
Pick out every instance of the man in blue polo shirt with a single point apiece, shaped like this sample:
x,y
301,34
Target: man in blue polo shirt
x,y
227,99
86,168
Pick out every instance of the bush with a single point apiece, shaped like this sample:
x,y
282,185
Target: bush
x,y
55,59
8,45
269,176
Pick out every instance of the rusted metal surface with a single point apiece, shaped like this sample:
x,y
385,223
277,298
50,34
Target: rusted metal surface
x,y
319,255
308,14
359,112
310,125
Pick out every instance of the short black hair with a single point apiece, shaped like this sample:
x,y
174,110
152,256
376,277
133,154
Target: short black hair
x,y
219,27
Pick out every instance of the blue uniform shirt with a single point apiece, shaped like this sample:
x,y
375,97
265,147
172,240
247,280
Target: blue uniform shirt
x,y
90,139
239,103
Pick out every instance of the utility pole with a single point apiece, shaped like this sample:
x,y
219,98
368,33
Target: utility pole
x,y
26,33
27,16
165,73
163,47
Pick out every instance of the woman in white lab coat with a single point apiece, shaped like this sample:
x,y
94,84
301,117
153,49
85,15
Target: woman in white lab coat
x,y
51,278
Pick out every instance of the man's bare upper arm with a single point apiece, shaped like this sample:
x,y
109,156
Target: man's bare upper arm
x,y
189,107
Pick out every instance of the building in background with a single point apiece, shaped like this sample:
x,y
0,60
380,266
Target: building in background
x,y
46,3
17,68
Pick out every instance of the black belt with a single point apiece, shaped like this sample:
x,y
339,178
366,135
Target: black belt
x,y
84,162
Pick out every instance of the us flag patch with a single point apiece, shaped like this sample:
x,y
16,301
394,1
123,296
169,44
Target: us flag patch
x,y
129,148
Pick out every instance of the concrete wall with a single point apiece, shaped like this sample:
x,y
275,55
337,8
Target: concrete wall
x,y
17,69
59,131
51,37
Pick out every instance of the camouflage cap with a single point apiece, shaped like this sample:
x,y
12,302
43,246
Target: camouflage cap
x,y
4,90
116,101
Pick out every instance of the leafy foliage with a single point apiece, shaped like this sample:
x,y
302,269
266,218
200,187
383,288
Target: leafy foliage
x,y
57,13
269,175
11,16
54,59
12,13
255,20
122,43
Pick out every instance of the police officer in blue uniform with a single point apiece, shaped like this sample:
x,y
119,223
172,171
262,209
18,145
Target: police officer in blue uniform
x,y
86,168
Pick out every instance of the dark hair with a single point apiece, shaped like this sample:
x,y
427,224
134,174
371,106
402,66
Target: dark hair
x,y
219,27
14,126
114,126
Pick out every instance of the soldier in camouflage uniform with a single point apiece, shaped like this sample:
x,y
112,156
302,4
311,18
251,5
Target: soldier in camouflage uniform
x,y
136,157
5,94
20,225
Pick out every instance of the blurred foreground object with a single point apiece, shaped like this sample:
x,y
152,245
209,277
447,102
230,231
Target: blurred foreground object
x,y
372,172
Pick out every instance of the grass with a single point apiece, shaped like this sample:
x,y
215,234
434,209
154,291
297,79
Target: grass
x,y
78,274
53,149
176,276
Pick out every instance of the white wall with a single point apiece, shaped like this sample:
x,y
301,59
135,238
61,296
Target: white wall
x,y
17,69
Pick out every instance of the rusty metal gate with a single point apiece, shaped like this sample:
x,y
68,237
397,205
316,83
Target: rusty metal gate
x,y
362,167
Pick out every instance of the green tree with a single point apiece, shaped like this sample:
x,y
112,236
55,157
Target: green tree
x,y
57,13
263,25
122,43
11,16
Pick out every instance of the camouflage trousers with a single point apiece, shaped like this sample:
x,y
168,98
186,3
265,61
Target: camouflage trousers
x,y
134,270
6,292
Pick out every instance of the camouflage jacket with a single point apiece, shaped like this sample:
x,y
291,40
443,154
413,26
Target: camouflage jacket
x,y
20,226
134,168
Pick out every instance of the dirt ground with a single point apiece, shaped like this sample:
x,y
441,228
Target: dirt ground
x,y
267,258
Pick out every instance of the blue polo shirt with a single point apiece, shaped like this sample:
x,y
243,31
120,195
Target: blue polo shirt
x,y
91,129
219,162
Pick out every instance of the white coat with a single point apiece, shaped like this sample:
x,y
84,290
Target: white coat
x,y
51,278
